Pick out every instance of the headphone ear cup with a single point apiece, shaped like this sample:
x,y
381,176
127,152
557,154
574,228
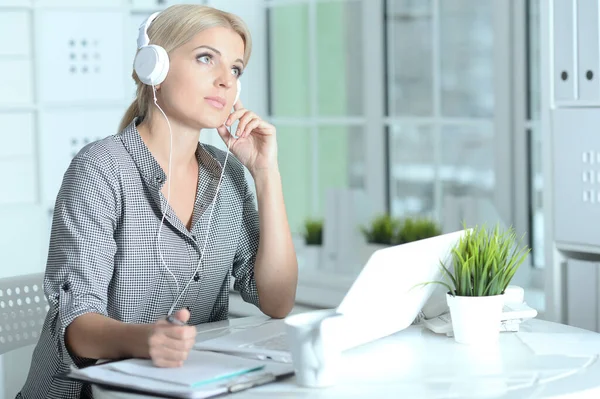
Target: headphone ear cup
x,y
151,64
237,94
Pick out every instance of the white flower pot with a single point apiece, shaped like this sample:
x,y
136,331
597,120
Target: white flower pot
x,y
475,320
311,257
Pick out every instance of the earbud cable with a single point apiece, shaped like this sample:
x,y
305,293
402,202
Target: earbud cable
x,y
168,202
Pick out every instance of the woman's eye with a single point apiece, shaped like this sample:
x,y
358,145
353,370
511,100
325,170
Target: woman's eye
x,y
236,72
204,59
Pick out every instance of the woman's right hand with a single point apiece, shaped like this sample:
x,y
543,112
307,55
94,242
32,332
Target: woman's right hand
x,y
169,344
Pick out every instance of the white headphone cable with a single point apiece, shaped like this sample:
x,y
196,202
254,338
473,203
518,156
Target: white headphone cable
x,y
168,188
212,208
168,202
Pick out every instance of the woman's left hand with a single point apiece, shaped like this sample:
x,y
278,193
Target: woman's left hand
x,y
255,146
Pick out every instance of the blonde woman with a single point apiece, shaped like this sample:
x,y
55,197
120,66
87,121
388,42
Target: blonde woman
x,y
148,223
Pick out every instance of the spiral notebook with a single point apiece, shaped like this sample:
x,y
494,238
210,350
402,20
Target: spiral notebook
x,y
203,375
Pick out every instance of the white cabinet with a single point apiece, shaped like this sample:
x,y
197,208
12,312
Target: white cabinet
x,y
582,294
62,134
19,181
15,28
80,56
17,158
576,52
18,89
564,53
588,50
17,135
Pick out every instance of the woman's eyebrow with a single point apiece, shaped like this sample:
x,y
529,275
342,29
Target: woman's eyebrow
x,y
217,51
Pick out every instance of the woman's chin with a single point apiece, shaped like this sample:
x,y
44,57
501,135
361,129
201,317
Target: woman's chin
x,y
212,121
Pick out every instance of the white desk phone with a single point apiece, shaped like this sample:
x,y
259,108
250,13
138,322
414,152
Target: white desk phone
x,y
436,314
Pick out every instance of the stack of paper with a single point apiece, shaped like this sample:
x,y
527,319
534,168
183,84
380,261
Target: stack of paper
x,y
203,375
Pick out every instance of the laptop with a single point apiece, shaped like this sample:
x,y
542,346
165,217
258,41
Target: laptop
x,y
386,297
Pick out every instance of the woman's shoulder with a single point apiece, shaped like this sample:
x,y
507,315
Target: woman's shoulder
x,y
100,155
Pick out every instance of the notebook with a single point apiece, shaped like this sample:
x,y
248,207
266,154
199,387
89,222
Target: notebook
x,y
203,375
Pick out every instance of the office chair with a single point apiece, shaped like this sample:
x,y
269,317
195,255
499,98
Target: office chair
x,y
23,308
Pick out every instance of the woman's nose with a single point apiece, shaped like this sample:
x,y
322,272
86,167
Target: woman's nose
x,y
225,79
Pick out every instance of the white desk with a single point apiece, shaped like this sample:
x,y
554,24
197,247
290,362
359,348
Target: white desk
x,y
416,363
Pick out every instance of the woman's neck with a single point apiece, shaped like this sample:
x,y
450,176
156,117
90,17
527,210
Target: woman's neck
x,y
154,130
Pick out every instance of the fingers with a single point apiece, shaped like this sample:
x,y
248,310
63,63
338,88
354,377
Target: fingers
x,y
179,332
253,124
175,338
183,315
163,358
234,116
238,105
247,118
248,122
170,345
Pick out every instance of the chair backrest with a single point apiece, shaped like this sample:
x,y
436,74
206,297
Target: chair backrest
x,y
23,308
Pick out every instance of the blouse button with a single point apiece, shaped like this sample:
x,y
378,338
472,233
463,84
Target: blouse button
x,y
66,286
196,277
159,179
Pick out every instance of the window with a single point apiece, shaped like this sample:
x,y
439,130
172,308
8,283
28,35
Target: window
x,y
442,108
316,60
431,105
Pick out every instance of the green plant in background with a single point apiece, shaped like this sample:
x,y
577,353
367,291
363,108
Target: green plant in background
x,y
418,228
484,262
382,230
313,231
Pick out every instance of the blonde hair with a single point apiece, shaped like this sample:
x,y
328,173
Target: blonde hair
x,y
172,28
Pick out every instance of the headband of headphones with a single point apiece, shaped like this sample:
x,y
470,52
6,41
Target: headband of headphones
x,y
143,39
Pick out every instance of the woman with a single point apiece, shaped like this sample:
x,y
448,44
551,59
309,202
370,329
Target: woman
x,y
143,226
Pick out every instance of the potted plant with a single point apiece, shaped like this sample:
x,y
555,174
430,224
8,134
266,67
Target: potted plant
x,y
382,230
380,233
481,266
417,228
313,242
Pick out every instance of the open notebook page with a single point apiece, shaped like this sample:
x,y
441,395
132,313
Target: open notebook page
x,y
200,368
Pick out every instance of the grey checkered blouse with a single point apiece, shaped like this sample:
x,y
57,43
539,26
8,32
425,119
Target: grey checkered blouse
x,y
103,255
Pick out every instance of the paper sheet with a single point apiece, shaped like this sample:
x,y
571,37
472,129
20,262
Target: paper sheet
x,y
576,345
200,368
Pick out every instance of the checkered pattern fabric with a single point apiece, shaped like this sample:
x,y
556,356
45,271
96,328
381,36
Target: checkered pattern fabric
x,y
104,257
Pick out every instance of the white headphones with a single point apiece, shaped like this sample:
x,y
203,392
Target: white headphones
x,y
151,62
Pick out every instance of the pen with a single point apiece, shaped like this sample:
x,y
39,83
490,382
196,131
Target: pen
x,y
171,319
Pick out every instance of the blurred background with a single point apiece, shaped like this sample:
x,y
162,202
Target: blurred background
x,y
385,110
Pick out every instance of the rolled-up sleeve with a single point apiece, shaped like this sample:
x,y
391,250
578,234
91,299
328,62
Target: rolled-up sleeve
x,y
245,257
82,247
